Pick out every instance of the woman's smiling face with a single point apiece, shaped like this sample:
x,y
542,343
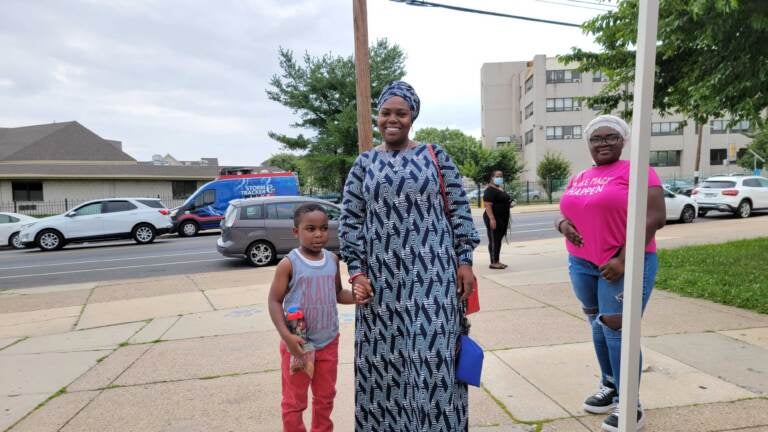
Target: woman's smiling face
x,y
605,145
394,120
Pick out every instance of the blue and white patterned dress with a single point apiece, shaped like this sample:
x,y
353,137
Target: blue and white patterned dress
x,y
394,229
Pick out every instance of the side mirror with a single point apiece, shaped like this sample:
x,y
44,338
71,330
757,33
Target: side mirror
x,y
71,214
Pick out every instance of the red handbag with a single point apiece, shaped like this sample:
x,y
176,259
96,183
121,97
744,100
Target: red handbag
x,y
473,301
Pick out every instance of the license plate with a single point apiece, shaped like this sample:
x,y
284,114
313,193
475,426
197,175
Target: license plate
x,y
710,195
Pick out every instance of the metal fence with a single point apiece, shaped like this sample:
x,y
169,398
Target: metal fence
x,y
523,191
54,207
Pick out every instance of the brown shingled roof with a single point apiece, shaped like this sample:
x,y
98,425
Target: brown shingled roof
x,y
69,141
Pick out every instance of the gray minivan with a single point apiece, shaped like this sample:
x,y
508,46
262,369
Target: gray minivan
x,y
261,229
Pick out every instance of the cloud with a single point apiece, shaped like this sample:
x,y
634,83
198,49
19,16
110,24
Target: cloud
x,y
188,77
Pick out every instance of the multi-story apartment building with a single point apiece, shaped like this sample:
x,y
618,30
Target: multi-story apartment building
x,y
533,104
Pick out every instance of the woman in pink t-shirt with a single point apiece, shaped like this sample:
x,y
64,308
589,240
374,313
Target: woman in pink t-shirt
x,y
594,223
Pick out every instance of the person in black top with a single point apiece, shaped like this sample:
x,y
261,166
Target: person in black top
x,y
496,216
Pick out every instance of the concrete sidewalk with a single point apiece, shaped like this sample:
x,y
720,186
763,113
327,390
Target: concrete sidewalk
x,y
198,353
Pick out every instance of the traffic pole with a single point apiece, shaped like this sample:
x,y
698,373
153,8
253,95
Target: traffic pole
x,y
645,66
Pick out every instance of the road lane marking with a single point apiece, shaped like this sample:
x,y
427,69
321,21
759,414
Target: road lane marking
x,y
106,260
114,268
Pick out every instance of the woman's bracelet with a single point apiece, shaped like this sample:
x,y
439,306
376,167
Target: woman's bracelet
x,y
559,224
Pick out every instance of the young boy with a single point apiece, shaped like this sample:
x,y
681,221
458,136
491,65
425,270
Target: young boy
x,y
308,278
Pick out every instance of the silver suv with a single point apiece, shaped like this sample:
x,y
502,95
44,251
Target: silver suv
x,y
261,229
735,194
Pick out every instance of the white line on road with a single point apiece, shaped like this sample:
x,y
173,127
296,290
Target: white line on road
x,y
107,260
114,268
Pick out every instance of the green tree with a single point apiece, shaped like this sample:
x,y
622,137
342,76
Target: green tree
x,y
711,61
459,145
759,145
553,170
321,91
474,161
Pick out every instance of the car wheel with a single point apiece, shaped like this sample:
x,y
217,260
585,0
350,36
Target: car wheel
x,y
188,229
49,240
703,213
688,214
144,234
15,241
744,209
260,253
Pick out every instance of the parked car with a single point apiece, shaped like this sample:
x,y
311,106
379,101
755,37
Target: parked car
x,y
10,226
260,229
739,195
679,207
683,187
141,219
205,208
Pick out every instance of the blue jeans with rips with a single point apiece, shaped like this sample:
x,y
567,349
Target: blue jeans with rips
x,y
599,298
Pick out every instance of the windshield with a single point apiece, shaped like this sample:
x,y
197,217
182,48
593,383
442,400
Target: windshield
x,y
229,216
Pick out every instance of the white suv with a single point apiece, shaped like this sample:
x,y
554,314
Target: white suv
x,y
736,194
141,219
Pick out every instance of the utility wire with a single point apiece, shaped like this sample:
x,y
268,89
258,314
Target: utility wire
x,y
594,3
484,12
573,5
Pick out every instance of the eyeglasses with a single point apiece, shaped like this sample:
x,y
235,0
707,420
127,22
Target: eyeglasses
x,y
611,139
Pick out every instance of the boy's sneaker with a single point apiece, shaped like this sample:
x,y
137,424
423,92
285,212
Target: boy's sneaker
x,y
602,401
611,423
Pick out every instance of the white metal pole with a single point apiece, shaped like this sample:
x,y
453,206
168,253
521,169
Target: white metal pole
x,y
645,63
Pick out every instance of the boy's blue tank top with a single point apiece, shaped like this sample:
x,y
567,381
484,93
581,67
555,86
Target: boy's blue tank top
x,y
313,289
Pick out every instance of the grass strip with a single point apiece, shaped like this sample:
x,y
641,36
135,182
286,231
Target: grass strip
x,y
733,273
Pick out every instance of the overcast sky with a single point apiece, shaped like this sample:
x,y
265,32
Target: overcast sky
x,y
189,77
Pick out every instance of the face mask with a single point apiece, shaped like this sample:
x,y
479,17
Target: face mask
x,y
498,181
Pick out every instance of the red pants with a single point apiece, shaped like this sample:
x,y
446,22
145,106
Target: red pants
x,y
323,390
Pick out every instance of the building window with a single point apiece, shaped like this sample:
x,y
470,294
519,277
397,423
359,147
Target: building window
x,y
721,127
563,132
563,76
664,158
666,128
529,84
529,137
27,191
563,104
599,77
717,156
183,189
529,110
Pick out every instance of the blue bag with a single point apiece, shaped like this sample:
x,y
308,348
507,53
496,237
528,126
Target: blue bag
x,y
469,365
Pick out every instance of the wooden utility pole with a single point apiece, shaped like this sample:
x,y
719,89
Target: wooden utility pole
x,y
362,76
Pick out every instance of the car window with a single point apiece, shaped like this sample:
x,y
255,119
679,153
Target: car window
x,y
333,212
5,219
117,206
281,210
763,182
252,212
15,219
89,209
208,197
718,184
152,203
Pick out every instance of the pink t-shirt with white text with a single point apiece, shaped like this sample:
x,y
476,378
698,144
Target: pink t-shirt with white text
x,y
595,201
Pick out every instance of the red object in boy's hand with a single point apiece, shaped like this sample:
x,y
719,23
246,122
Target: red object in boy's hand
x,y
473,301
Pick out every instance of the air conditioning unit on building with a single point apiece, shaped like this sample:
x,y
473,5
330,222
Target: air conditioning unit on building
x,y
567,136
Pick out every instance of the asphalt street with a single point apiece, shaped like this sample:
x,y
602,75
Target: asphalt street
x,y
171,255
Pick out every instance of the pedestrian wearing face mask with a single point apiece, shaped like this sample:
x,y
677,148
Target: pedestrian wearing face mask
x,y
496,217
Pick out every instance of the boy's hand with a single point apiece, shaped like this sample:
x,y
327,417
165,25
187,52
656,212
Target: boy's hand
x,y
293,343
361,293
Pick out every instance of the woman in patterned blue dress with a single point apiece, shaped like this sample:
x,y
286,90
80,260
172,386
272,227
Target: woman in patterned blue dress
x,y
397,239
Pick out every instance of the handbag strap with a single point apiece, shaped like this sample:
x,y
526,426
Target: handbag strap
x,y
443,193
